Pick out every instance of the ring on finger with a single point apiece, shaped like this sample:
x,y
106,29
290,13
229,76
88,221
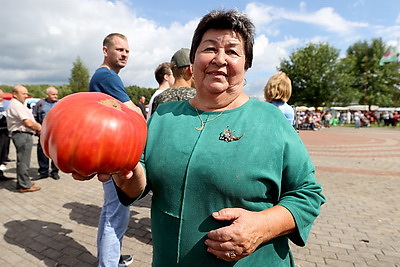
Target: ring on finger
x,y
231,254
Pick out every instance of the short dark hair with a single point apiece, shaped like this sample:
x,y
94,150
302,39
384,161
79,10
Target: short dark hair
x,y
109,38
231,19
161,70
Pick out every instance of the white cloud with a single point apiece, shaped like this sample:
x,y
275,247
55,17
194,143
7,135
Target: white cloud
x,y
270,22
267,55
391,34
327,18
260,14
43,39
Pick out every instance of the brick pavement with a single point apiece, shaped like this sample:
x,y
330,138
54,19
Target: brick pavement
x,y
359,225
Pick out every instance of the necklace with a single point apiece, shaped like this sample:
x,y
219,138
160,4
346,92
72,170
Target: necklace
x,y
204,122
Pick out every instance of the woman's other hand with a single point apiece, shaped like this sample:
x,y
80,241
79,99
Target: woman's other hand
x,y
237,240
247,231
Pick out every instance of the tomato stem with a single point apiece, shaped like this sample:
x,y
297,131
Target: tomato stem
x,y
111,103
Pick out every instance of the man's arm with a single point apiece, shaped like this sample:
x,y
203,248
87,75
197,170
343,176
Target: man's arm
x,y
132,106
32,125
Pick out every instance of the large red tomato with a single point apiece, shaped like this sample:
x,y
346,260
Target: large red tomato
x,y
91,132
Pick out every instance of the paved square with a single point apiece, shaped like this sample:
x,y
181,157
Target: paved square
x,y
359,225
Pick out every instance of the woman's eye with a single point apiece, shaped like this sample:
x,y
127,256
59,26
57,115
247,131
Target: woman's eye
x,y
209,49
232,52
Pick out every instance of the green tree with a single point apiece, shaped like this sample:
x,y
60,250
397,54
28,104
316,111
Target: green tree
x,y
375,84
314,74
79,81
64,90
134,92
6,88
344,93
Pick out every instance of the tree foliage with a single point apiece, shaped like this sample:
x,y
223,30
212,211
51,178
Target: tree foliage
x,y
313,71
134,92
375,84
79,81
319,77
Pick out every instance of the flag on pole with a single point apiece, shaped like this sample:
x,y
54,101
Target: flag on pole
x,y
389,56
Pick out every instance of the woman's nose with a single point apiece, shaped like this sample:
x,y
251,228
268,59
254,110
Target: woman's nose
x,y
220,58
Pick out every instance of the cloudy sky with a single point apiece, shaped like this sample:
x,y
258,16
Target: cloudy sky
x,y
40,39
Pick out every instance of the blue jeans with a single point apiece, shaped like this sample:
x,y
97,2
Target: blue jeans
x,y
113,222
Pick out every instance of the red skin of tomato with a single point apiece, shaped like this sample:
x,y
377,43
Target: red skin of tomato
x,y
83,135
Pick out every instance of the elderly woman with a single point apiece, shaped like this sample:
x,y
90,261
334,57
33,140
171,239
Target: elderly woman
x,y
231,180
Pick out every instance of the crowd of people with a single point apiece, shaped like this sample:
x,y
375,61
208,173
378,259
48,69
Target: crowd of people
x,y
316,120
229,188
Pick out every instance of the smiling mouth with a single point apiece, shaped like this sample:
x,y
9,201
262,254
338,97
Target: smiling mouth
x,y
217,73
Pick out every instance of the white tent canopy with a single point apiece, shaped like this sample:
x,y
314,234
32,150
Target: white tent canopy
x,y
304,108
388,109
356,107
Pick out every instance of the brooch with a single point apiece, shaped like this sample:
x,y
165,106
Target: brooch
x,y
227,135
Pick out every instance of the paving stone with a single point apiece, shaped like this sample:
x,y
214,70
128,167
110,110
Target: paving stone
x,y
359,225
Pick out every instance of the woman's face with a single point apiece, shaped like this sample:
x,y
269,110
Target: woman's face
x,y
219,63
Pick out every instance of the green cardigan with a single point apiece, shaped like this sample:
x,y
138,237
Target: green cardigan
x,y
193,173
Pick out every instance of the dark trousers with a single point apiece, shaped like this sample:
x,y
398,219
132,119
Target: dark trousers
x,y
23,145
8,146
3,145
3,148
43,162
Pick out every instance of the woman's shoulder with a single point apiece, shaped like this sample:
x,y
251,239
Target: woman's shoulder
x,y
173,107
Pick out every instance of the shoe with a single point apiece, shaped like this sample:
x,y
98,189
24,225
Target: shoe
x,y
55,176
125,260
3,178
41,176
32,189
3,167
32,184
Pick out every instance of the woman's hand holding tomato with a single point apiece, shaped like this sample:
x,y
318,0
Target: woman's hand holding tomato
x,y
92,133
103,177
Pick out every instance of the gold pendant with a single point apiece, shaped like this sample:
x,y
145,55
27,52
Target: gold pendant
x,y
201,127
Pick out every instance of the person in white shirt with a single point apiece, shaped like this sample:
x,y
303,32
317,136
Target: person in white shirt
x,y
165,79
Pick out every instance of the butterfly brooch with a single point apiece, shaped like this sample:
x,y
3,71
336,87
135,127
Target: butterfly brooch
x,y
227,135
